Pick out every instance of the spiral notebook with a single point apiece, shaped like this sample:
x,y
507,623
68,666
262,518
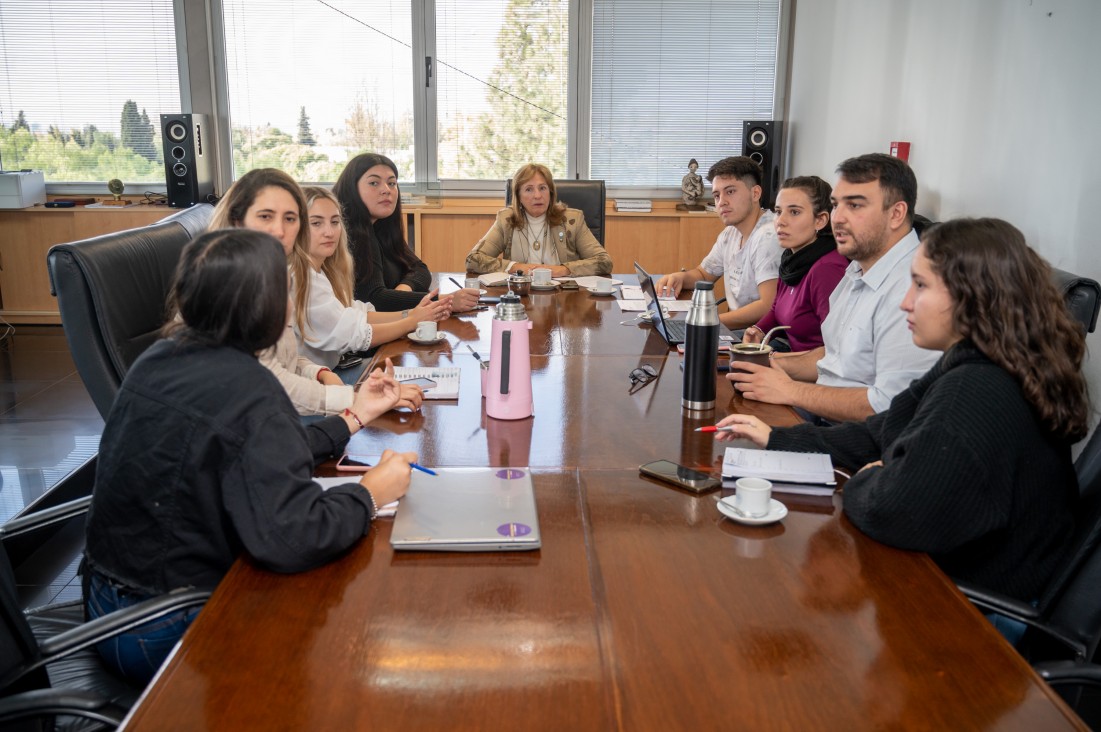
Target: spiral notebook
x,y
444,379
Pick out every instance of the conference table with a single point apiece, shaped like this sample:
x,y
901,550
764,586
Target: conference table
x,y
644,609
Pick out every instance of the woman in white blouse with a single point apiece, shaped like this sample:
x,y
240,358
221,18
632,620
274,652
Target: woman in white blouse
x,y
328,321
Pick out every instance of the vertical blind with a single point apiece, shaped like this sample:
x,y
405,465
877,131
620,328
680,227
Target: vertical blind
x,y
82,87
674,81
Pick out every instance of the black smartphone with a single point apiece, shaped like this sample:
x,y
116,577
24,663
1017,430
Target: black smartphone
x,y
680,476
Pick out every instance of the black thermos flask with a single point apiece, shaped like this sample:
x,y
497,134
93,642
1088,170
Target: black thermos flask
x,y
701,349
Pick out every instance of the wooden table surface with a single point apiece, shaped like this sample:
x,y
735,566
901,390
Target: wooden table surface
x,y
643,610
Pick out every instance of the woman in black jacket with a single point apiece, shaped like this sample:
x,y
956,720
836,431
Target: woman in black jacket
x,y
204,458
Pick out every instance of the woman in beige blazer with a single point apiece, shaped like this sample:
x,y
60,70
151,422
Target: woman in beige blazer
x,y
538,231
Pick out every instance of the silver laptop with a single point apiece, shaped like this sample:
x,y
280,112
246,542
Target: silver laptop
x,y
468,510
671,330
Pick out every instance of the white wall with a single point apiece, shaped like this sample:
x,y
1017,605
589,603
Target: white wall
x,y
1001,100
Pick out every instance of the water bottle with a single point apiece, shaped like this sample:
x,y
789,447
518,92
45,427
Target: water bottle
x,y
701,349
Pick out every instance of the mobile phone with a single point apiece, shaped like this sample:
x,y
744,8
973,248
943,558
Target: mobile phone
x,y
489,300
680,476
357,463
422,382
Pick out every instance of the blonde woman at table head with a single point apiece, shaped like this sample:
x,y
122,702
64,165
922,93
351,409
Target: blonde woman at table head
x,y
204,459
328,320
538,231
972,462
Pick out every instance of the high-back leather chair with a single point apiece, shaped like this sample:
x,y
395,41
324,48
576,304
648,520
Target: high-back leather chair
x,y
111,291
589,196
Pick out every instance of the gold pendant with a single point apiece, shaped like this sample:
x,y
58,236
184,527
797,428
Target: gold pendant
x,y
536,246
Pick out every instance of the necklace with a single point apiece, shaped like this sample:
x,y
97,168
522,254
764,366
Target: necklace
x,y
534,241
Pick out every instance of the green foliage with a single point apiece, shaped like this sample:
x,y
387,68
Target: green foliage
x,y
526,121
20,122
62,157
305,137
137,131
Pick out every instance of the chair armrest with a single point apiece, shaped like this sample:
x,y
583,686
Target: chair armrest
x,y
119,621
992,602
1069,673
45,517
49,702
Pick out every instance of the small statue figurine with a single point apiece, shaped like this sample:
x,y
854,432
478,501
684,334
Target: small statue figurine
x,y
691,187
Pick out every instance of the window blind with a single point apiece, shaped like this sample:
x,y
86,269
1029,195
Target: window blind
x,y
673,81
83,85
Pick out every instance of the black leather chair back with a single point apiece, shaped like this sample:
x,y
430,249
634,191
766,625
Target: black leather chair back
x,y
589,196
111,291
1082,295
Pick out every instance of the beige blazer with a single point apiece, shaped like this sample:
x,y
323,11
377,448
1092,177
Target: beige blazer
x,y
577,248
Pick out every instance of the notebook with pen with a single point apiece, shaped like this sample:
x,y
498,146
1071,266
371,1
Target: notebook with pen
x,y
438,382
468,510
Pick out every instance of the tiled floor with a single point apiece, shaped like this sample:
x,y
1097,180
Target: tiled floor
x,y
48,427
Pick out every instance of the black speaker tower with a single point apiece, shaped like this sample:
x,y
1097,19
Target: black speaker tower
x,y
188,158
761,141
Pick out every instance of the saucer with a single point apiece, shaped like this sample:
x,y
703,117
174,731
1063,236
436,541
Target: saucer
x,y
598,293
420,341
777,511
553,285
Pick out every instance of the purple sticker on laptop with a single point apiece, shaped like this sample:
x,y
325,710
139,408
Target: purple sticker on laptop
x,y
509,474
513,529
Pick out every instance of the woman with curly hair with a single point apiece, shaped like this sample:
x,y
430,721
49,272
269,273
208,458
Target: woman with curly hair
x,y
972,462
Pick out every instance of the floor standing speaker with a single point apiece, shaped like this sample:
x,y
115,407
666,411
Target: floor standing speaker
x,y
188,158
761,141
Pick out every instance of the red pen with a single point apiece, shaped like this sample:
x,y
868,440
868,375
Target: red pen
x,y
712,428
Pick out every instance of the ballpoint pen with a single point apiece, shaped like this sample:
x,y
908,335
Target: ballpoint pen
x,y
712,428
456,282
423,469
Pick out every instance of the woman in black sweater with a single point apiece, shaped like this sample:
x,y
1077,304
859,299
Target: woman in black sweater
x,y
204,458
972,462
387,272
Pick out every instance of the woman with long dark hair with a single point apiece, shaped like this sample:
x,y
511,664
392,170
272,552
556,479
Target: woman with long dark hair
x,y
387,272
810,266
972,462
203,457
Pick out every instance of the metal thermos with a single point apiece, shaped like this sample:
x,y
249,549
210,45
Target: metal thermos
x,y
508,383
701,349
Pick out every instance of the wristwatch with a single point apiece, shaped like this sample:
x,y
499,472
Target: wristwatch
x,y
405,313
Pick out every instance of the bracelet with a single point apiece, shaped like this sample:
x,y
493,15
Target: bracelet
x,y
374,506
404,313
323,370
350,413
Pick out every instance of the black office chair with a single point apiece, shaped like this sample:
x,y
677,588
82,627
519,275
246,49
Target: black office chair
x,y
51,676
589,196
1064,629
111,292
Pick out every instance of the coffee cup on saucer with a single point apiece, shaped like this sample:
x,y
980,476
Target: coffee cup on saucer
x,y
753,497
426,330
602,286
541,277
472,283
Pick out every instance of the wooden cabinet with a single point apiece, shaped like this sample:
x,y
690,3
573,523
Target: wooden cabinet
x,y
26,235
442,233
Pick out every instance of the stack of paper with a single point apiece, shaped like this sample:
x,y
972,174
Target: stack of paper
x,y
633,205
493,279
809,473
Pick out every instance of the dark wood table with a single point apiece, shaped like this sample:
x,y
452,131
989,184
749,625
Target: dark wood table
x,y
644,609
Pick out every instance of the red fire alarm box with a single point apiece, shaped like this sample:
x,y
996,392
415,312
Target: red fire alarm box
x,y
900,150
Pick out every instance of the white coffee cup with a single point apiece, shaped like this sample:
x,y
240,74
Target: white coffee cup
x,y
426,330
753,496
603,285
472,283
541,277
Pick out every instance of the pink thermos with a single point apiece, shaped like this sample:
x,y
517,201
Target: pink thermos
x,y
508,384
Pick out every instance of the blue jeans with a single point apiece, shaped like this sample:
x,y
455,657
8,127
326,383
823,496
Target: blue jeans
x,y
1011,629
138,654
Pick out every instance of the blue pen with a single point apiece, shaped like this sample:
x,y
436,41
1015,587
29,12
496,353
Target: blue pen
x,y
422,469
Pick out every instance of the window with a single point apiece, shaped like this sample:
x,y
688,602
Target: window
x,y
312,84
674,81
83,85
502,83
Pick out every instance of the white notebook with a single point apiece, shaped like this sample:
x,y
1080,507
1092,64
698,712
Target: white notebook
x,y
813,468
438,382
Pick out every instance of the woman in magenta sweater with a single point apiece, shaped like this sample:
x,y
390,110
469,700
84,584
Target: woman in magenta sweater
x,y
810,266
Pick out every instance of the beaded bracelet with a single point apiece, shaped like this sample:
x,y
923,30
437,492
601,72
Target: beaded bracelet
x,y
318,377
350,413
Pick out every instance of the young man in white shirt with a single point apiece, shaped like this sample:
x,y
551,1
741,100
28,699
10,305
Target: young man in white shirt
x,y
868,356
747,250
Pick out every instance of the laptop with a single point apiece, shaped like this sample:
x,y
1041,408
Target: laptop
x,y
468,510
671,330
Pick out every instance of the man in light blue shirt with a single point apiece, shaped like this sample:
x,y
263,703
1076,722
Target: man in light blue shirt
x,y
869,355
